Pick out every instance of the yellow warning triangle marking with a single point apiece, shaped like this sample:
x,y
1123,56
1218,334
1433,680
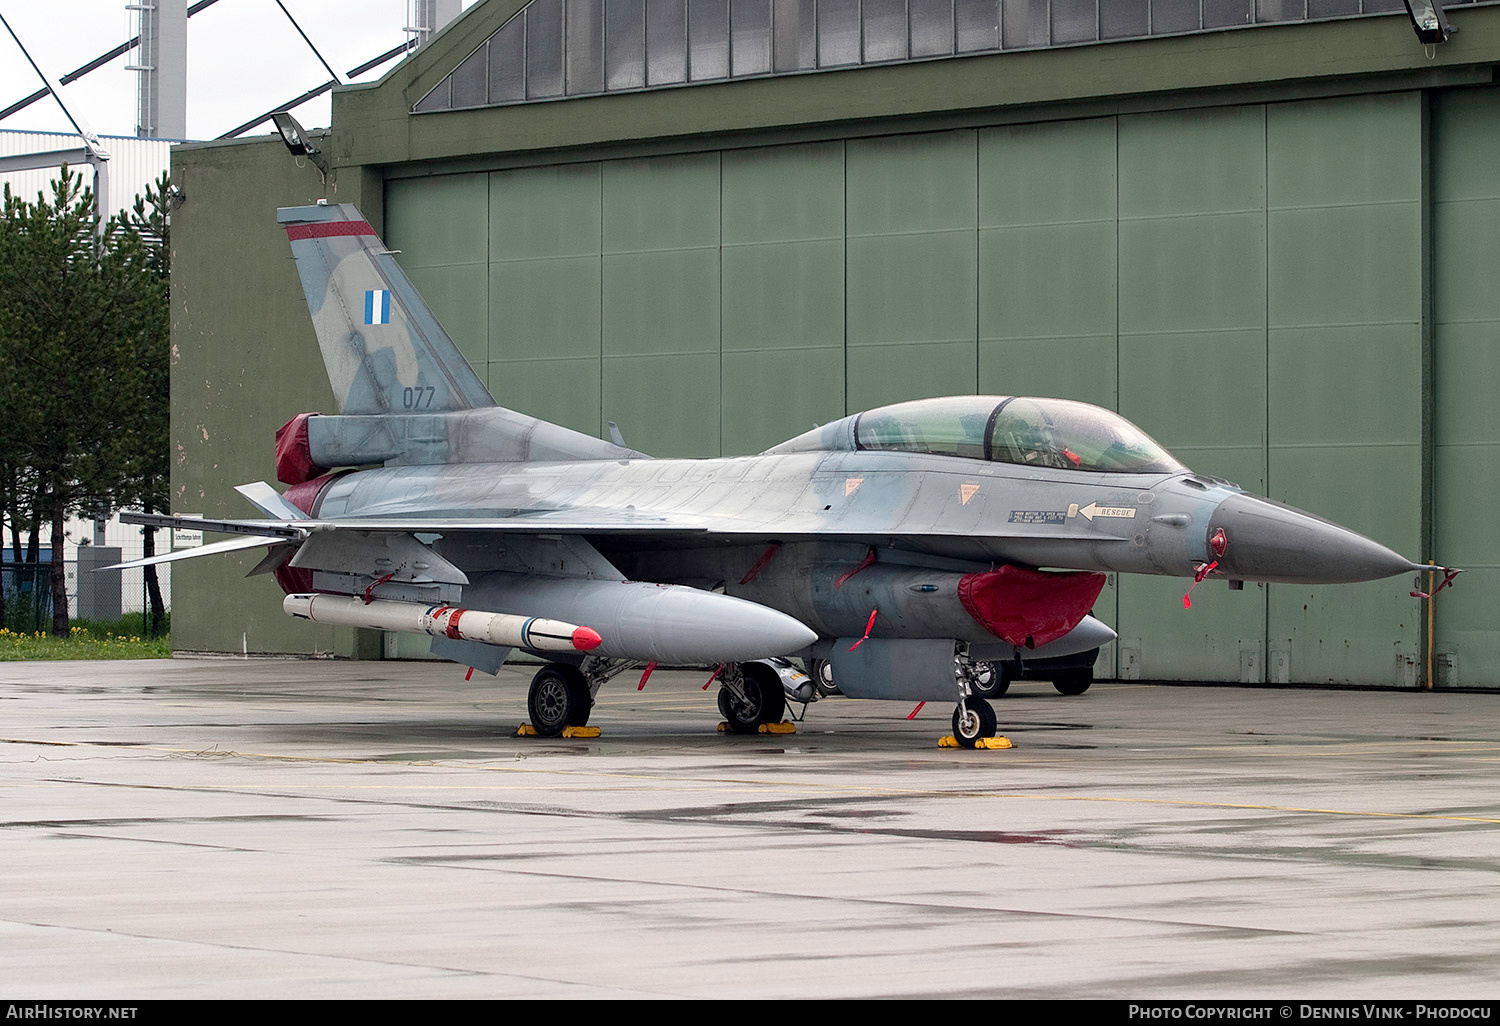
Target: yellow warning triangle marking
x,y
851,484
967,492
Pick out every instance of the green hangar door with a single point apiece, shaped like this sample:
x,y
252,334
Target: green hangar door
x,y
1221,276
1466,415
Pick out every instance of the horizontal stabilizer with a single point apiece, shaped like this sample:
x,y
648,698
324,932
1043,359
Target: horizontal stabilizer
x,y
269,501
231,545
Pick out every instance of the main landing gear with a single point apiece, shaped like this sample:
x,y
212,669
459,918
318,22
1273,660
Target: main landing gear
x,y
560,697
750,694
751,697
1073,682
985,679
821,671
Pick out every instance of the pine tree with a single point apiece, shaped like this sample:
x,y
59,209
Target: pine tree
x,y
82,315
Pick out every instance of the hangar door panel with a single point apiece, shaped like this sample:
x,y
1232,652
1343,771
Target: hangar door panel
x,y
912,223
783,292
544,289
1192,369
1344,358
1466,251
1047,261
438,224
661,302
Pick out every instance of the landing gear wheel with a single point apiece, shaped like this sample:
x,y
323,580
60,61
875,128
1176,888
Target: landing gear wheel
x,y
821,671
973,721
559,697
1074,682
989,680
754,699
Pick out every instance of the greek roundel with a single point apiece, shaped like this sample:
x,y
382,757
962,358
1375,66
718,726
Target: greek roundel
x,y
378,306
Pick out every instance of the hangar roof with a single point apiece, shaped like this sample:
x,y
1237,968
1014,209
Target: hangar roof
x,y
375,125
552,49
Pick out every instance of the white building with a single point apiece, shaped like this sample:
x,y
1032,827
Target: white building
x,y
133,164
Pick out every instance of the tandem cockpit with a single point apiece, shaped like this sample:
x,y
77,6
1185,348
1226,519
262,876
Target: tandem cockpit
x,y
1059,433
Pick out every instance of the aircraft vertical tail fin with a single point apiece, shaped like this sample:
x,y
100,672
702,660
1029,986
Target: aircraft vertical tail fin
x,y
384,350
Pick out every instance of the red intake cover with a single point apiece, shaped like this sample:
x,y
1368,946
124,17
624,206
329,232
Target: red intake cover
x,y
1029,607
294,463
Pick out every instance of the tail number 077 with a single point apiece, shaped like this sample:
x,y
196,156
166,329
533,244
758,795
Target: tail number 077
x,y
419,398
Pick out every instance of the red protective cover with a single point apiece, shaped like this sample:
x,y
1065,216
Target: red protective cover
x,y
294,462
296,580
1029,608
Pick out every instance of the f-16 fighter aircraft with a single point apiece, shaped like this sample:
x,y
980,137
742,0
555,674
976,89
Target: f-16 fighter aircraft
x,y
914,551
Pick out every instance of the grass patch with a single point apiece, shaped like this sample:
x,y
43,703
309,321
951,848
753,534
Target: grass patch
x,y
88,641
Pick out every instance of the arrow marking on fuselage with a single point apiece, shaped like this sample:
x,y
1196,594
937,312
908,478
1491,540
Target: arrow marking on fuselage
x,y
1093,510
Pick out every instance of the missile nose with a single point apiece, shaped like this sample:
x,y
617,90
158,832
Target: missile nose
x,y
586,639
1264,540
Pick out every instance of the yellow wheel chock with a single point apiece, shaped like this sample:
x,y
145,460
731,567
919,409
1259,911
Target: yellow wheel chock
x,y
998,741
784,727
527,730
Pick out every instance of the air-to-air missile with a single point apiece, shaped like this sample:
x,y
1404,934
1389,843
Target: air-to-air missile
x,y
506,629
923,551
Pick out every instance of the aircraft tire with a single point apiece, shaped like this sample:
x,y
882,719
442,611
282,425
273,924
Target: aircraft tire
x,y
991,680
762,700
559,697
821,671
1075,682
980,723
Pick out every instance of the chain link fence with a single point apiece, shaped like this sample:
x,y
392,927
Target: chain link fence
x,y
109,599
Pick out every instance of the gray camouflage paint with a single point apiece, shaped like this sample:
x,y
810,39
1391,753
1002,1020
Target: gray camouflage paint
x,y
538,519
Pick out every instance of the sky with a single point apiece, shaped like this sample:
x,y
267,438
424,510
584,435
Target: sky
x,y
244,58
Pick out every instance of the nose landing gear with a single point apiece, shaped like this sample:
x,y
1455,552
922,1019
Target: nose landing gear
x,y
973,720
974,717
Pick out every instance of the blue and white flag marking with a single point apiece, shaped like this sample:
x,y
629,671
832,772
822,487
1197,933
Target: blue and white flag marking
x,y
378,306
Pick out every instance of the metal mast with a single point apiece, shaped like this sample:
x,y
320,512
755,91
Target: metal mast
x,y
161,106
427,16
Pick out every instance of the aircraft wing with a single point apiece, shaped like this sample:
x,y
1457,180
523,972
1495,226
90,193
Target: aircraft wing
x,y
523,522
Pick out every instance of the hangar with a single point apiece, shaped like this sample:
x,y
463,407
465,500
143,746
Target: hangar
x,y
1263,230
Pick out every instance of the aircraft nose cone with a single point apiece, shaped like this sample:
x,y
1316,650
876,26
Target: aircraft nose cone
x,y
1269,541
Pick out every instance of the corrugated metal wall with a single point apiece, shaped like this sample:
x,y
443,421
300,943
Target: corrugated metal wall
x,y
1245,282
133,164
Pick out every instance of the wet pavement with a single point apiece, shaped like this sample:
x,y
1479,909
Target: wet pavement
x,y
281,828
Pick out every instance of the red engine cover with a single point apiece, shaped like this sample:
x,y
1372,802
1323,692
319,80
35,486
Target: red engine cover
x,y
1029,607
294,462
296,580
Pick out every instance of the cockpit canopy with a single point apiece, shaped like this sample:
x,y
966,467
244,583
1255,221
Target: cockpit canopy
x,y
1057,433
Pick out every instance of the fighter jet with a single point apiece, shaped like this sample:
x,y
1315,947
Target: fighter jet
x,y
921,551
